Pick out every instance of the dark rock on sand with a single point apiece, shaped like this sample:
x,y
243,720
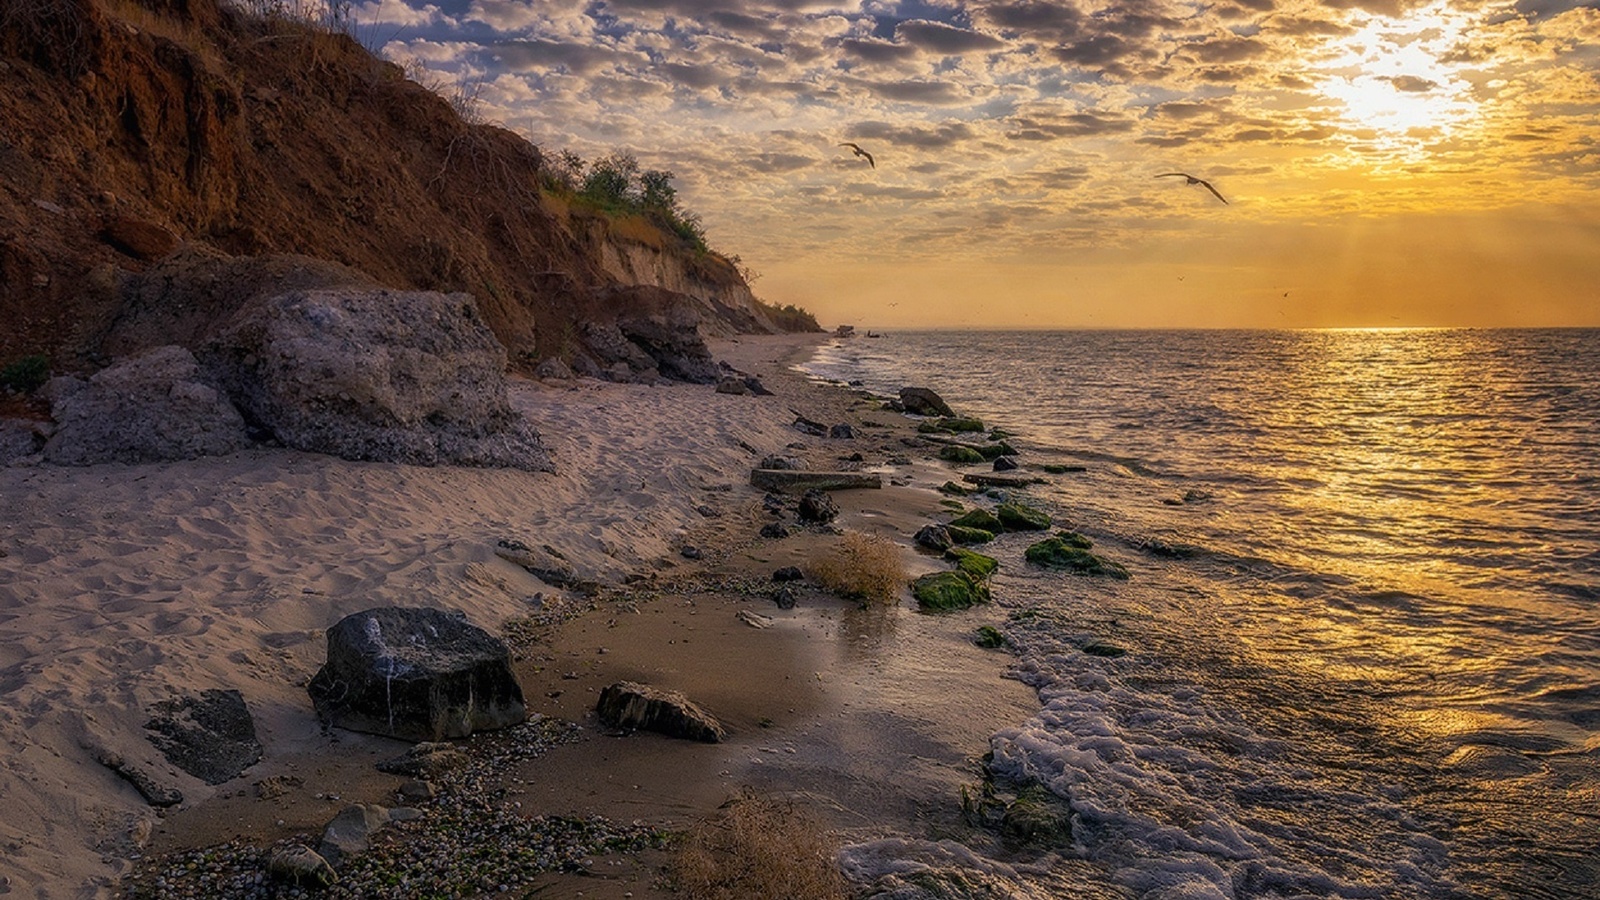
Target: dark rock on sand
x,y
816,506
212,736
690,552
922,401
1057,554
153,792
732,386
799,482
1005,463
300,866
809,426
841,432
632,705
944,591
788,573
775,530
960,453
989,637
416,674
782,463
934,537
786,596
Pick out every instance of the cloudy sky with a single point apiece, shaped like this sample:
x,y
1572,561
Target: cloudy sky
x,y
1385,162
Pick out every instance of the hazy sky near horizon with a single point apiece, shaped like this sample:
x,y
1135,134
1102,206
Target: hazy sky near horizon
x,y
1386,162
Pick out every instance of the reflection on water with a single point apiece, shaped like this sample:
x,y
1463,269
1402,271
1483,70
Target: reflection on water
x,y
1389,633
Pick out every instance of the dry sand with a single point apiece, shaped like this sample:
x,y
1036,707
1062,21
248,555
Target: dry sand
x,y
121,586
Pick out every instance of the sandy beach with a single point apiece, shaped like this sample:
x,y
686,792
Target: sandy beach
x,y
123,586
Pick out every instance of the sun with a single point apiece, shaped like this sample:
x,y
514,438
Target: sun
x,y
1393,75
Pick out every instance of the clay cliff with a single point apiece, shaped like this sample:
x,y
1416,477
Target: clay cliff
x,y
162,161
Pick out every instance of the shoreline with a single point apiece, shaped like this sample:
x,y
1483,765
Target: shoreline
x,y
833,706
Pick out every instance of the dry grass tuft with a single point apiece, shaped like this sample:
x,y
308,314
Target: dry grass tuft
x,y
757,847
862,566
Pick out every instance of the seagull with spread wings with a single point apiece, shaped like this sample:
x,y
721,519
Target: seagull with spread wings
x,y
860,152
1194,180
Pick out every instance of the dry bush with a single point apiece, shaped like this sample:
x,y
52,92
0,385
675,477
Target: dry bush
x,y
862,566
757,848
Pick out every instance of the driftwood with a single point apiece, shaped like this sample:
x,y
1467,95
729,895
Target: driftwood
x,y
791,481
1002,480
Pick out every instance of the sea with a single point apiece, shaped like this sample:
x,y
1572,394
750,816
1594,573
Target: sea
x,y
1360,643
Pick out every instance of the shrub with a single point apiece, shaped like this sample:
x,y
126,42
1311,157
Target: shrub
x,y
757,847
861,566
26,375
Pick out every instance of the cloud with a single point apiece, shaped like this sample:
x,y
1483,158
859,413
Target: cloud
x,y
925,137
933,93
877,51
941,38
1411,84
579,59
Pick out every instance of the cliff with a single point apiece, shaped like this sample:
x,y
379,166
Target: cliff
x,y
142,134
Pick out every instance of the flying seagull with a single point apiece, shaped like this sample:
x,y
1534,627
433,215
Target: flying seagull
x,y
1194,180
860,152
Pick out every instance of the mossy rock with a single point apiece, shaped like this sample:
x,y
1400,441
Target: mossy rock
x,y
1074,539
955,490
1037,818
999,434
953,505
945,591
1104,650
973,563
989,637
959,453
1021,517
961,534
994,451
1056,554
980,518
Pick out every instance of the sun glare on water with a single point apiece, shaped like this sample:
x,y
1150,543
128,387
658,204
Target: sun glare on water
x,y
1392,75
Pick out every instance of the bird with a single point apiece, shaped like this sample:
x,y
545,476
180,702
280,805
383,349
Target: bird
x,y
860,152
1194,180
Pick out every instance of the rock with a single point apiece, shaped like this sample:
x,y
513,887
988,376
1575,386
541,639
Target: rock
x,y
754,619
798,482
934,537
950,424
155,794
631,705
671,339
145,408
954,490
787,573
350,832
545,563
1104,650
301,866
995,451
1005,463
1074,539
814,428
417,791
921,401
1037,818
277,785
21,438
975,565
416,674
690,552
979,518
429,759
1058,469
1000,479
775,530
553,369
964,535
785,463
989,637
960,453
731,385
1057,554
212,736
396,376
944,591
1021,517
618,358
841,432
816,506
754,386
786,596
138,238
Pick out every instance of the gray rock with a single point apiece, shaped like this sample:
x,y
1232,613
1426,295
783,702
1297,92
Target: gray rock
x,y
672,340
786,463
797,482
146,408
301,866
429,759
416,674
212,736
817,506
350,832
754,386
628,704
774,530
922,401
1005,464
153,792
553,369
934,537
841,432
809,426
397,376
21,438
785,596
732,385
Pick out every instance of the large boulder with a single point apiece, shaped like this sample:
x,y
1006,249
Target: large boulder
x,y
923,401
416,674
672,338
628,704
147,408
397,376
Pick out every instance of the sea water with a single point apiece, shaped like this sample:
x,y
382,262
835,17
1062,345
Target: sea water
x,y
1362,630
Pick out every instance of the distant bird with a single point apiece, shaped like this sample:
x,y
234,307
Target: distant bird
x,y
860,152
1194,180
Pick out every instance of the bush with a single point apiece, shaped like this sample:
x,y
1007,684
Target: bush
x,y
757,847
26,375
861,567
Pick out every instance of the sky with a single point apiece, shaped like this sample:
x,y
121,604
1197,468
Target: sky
x,y
1386,163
